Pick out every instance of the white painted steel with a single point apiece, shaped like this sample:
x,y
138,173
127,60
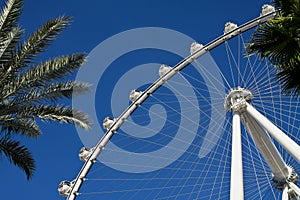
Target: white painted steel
x,y
285,195
236,179
295,188
285,141
97,150
267,148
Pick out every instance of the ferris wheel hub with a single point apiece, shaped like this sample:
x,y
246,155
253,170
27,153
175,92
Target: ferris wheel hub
x,y
236,99
292,178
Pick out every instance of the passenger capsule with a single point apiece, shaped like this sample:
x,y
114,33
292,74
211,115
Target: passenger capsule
x,y
65,187
229,26
134,95
108,122
84,153
267,9
195,47
163,69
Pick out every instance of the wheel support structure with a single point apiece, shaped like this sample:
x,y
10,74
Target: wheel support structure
x,y
261,130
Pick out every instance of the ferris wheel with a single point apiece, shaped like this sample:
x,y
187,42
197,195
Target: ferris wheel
x,y
236,135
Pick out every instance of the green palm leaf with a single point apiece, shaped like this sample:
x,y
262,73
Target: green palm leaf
x,y
41,38
53,69
7,47
289,77
27,127
31,90
50,93
10,33
57,113
286,7
18,154
278,40
35,44
10,14
43,73
8,43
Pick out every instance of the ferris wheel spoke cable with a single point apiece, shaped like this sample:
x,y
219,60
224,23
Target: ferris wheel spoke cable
x,y
207,177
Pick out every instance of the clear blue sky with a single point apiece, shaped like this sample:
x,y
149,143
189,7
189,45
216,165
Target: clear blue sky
x,y
94,21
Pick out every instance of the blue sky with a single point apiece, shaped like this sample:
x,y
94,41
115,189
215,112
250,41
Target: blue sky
x,y
94,21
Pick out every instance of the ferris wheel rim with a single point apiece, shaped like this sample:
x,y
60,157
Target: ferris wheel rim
x,y
96,150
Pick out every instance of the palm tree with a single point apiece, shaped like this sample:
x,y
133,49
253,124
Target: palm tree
x,y
278,40
30,90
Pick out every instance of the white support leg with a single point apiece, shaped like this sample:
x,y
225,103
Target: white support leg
x,y
285,195
295,188
292,147
236,181
266,147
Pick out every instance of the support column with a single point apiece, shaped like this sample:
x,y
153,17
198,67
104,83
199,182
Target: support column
x,y
236,180
267,148
285,195
295,188
292,147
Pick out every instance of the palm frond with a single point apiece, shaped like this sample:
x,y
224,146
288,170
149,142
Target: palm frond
x,y
278,40
285,7
18,154
35,44
7,47
8,43
27,127
43,73
29,90
41,39
10,33
52,93
289,78
53,69
273,41
10,15
57,113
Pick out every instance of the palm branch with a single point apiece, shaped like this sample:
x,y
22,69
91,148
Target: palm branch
x,y
18,155
31,89
289,77
278,40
